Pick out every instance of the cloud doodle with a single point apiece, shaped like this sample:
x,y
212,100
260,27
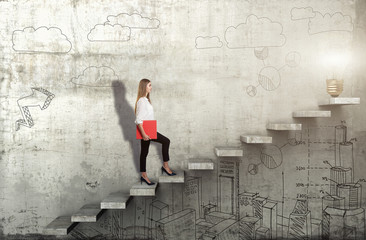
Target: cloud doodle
x,y
134,20
118,28
327,23
320,23
255,32
109,33
302,13
96,77
208,42
40,40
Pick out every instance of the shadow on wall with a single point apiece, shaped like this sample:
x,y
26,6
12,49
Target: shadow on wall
x,y
126,116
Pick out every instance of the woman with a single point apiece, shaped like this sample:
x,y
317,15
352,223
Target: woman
x,y
144,111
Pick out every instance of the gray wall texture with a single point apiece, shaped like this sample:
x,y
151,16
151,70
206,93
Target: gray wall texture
x,y
219,69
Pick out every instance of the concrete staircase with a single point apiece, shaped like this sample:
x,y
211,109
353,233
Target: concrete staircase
x,y
63,225
88,213
312,114
119,200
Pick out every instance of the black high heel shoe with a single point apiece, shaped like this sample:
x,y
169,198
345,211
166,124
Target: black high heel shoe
x,y
143,179
170,174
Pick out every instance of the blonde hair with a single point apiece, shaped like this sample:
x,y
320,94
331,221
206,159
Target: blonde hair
x,y
141,92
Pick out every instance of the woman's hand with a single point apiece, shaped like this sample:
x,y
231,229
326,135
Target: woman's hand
x,y
143,134
146,137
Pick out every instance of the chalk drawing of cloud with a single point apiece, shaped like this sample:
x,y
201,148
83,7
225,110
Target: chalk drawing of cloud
x,y
208,42
40,40
255,32
134,20
109,33
96,77
327,23
302,13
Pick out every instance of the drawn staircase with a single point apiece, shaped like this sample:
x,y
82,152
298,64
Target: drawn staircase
x,y
63,225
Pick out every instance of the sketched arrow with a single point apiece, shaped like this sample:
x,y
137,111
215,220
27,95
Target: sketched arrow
x,y
40,97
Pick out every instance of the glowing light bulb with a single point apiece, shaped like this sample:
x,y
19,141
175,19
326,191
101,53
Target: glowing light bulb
x,y
334,63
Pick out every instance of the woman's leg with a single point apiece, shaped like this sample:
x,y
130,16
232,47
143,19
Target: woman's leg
x,y
165,145
165,149
144,151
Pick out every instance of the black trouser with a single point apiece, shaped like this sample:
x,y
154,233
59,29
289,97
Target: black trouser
x,y
145,150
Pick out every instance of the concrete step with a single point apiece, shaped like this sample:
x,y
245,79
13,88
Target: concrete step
x,y
311,114
229,151
283,126
88,213
200,164
340,101
116,200
143,189
255,139
60,226
179,178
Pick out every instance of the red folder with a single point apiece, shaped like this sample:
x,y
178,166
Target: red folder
x,y
149,128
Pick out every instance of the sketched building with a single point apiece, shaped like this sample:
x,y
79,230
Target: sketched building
x,y
299,221
262,233
339,175
258,204
270,218
343,217
192,195
333,201
347,221
217,225
180,226
246,204
343,224
226,229
248,227
258,217
158,210
343,149
228,187
351,193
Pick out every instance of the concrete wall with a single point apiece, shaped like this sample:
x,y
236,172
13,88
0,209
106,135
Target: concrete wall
x,y
219,69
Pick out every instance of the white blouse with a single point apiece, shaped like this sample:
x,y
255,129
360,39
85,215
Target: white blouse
x,y
144,110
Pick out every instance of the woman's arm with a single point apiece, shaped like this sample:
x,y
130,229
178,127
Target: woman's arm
x,y
143,134
141,112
